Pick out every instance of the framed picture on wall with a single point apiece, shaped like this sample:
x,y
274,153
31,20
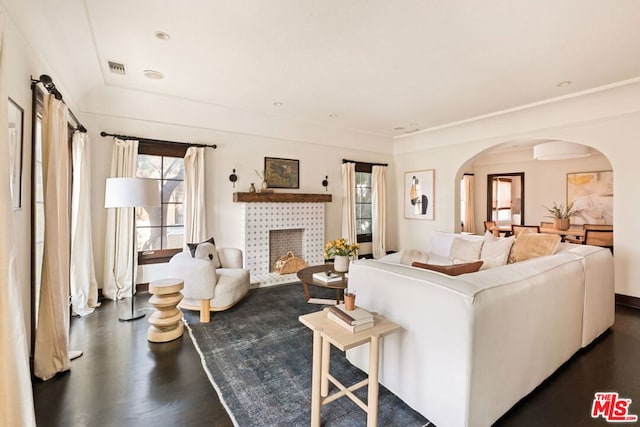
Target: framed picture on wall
x,y
418,194
592,195
15,129
282,173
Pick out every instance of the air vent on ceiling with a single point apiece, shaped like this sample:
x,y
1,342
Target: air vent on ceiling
x,y
117,68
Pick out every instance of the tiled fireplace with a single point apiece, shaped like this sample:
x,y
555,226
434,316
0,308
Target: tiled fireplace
x,y
258,219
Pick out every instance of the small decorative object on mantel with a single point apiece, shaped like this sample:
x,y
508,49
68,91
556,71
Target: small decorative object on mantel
x,y
233,178
264,186
340,250
561,216
252,188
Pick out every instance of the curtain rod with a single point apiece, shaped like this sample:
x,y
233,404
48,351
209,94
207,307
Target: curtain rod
x,y
48,84
126,137
372,164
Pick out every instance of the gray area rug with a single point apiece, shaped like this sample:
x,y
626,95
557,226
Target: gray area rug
x,y
258,356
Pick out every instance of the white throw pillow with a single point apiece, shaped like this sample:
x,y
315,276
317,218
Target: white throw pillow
x,y
409,256
463,250
207,252
495,250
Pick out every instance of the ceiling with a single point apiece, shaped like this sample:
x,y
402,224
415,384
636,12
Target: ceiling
x,y
376,66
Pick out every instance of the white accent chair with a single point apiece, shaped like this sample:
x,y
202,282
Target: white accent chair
x,y
207,288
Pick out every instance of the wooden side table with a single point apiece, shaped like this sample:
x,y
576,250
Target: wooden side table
x,y
166,321
325,333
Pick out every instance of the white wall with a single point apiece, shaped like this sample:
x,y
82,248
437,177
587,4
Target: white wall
x,y
608,120
242,151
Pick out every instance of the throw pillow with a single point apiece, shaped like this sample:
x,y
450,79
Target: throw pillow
x,y
451,270
208,252
465,250
192,246
532,245
495,250
410,255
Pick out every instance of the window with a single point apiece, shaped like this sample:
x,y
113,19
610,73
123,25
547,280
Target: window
x,y
363,202
502,200
160,230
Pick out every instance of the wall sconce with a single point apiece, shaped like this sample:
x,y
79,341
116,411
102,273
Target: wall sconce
x,y
233,178
325,183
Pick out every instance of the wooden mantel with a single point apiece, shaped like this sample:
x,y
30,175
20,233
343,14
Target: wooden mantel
x,y
281,197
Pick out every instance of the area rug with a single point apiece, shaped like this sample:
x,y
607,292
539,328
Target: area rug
x,y
258,357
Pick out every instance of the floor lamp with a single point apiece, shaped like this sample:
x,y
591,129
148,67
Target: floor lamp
x,y
131,193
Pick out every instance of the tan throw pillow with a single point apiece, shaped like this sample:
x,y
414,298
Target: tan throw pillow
x,y
532,245
410,255
451,270
495,250
465,250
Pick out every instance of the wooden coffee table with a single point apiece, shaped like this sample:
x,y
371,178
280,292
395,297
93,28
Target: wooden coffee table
x,y
306,277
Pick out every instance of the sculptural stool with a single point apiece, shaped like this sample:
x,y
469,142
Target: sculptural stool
x,y
166,320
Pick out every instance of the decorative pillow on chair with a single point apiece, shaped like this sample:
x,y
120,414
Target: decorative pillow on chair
x,y
205,250
465,250
192,246
451,270
532,245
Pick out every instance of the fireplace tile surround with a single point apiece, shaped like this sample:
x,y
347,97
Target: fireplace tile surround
x,y
258,219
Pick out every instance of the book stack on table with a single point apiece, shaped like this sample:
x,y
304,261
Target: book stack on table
x,y
355,320
327,277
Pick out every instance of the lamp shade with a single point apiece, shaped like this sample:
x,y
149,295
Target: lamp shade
x,y
560,150
131,193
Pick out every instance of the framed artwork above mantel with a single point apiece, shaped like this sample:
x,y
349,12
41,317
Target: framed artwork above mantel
x,y
282,173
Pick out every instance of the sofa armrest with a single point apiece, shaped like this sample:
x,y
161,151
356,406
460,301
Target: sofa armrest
x,y
199,275
230,257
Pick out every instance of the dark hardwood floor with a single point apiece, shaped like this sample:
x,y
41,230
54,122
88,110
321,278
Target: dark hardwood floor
x,y
123,380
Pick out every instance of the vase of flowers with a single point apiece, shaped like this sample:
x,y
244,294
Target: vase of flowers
x,y
561,215
341,251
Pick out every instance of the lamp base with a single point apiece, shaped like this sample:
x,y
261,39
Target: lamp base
x,y
137,314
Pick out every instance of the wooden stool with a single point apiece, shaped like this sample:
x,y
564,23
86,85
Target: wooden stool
x,y
166,321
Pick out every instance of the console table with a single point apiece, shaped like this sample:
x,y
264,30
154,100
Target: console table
x,y
327,332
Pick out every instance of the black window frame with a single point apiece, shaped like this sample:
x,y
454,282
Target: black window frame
x,y
363,167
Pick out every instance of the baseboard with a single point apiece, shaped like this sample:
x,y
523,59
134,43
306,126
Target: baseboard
x,y
627,300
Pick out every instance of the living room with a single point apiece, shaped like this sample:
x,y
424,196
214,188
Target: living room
x,y
602,113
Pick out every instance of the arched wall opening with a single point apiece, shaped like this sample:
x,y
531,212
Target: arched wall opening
x,y
545,180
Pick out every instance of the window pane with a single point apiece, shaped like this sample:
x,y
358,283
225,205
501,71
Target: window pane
x,y
173,214
363,179
149,166
363,226
173,168
364,211
363,195
174,238
148,238
172,191
146,217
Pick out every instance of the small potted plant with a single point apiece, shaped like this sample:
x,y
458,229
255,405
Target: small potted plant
x,y
561,215
340,250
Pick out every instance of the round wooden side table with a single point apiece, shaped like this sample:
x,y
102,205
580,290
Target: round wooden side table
x,y
166,320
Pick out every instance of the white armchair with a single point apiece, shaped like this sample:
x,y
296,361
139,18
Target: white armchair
x,y
207,288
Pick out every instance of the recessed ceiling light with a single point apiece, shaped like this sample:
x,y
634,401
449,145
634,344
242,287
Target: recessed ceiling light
x,y
333,115
398,128
278,104
153,74
161,35
564,83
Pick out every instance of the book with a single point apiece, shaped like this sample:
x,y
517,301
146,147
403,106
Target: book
x,y
354,328
323,277
353,317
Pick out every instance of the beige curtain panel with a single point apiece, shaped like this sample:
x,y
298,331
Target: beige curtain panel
x,y
378,206
16,399
51,353
349,202
469,219
118,256
194,203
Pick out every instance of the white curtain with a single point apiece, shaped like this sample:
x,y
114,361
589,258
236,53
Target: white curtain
x,y
51,353
469,219
84,287
16,399
194,201
378,205
118,253
349,202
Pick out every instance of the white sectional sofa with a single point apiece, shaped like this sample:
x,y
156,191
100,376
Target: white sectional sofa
x,y
475,344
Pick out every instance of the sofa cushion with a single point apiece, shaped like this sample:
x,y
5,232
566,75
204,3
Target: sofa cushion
x,y
451,270
463,250
532,245
207,252
495,250
192,246
410,255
